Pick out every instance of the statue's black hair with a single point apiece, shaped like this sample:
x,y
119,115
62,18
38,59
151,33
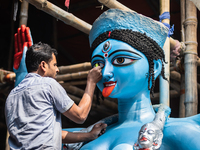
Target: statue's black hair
x,y
139,41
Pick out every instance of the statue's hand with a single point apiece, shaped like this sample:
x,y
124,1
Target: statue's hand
x,y
23,40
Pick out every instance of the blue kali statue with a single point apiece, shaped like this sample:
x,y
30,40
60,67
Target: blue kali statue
x,y
128,47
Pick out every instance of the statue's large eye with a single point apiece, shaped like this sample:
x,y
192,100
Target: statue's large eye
x,y
120,61
98,63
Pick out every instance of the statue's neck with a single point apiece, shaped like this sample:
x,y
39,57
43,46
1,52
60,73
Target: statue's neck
x,y
137,108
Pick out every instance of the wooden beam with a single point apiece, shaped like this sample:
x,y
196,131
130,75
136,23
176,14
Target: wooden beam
x,y
62,15
75,68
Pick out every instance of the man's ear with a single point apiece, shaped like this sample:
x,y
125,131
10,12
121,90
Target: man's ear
x,y
157,68
43,65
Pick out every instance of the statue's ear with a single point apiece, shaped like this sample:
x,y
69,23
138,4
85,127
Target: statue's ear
x,y
158,141
157,67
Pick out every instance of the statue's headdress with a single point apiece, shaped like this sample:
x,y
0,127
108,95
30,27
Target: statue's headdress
x,y
115,19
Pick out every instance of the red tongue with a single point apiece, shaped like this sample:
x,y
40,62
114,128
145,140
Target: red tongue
x,y
108,90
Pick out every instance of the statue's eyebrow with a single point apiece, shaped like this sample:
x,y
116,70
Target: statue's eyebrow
x,y
125,51
97,56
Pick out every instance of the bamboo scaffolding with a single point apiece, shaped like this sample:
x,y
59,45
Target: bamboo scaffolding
x,y
164,85
72,20
114,4
190,59
182,88
62,15
75,68
79,82
72,76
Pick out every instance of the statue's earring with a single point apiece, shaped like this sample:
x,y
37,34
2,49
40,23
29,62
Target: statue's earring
x,y
155,144
146,74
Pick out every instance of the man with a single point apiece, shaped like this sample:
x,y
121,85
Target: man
x,y
33,108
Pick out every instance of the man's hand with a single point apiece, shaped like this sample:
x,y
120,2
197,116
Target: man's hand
x,y
23,41
98,130
94,75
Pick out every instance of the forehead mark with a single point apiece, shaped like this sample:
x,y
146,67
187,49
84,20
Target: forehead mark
x,y
106,55
125,51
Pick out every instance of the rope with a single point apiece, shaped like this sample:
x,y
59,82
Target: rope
x,y
163,16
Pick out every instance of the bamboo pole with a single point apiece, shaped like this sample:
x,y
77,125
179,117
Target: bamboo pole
x,y
62,15
190,59
79,82
164,85
114,4
72,76
23,17
74,68
10,57
182,88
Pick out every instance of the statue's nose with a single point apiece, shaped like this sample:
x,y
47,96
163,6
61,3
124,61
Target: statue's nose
x,y
108,76
108,72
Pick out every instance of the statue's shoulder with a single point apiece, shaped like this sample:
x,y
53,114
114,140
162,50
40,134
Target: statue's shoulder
x,y
183,122
179,132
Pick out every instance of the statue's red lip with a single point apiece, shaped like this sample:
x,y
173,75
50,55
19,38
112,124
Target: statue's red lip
x,y
111,83
143,139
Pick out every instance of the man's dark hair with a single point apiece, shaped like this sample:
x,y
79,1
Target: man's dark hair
x,y
141,42
36,54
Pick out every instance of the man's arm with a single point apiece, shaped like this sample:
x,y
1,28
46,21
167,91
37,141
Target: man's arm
x,y
78,113
75,137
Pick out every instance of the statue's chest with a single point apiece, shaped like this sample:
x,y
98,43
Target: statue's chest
x,y
115,138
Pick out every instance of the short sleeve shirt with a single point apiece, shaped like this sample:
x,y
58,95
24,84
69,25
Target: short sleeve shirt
x,y
33,113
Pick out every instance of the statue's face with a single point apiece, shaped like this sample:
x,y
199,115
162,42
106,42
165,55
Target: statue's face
x,y
124,69
147,135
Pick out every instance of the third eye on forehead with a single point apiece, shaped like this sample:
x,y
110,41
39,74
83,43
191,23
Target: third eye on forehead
x,y
98,63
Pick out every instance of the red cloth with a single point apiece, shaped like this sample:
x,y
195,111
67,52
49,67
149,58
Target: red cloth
x,y
67,3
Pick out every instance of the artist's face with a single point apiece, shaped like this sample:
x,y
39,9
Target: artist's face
x,y
147,135
124,69
52,68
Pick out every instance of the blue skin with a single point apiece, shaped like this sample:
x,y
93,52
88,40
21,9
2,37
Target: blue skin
x,y
134,103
